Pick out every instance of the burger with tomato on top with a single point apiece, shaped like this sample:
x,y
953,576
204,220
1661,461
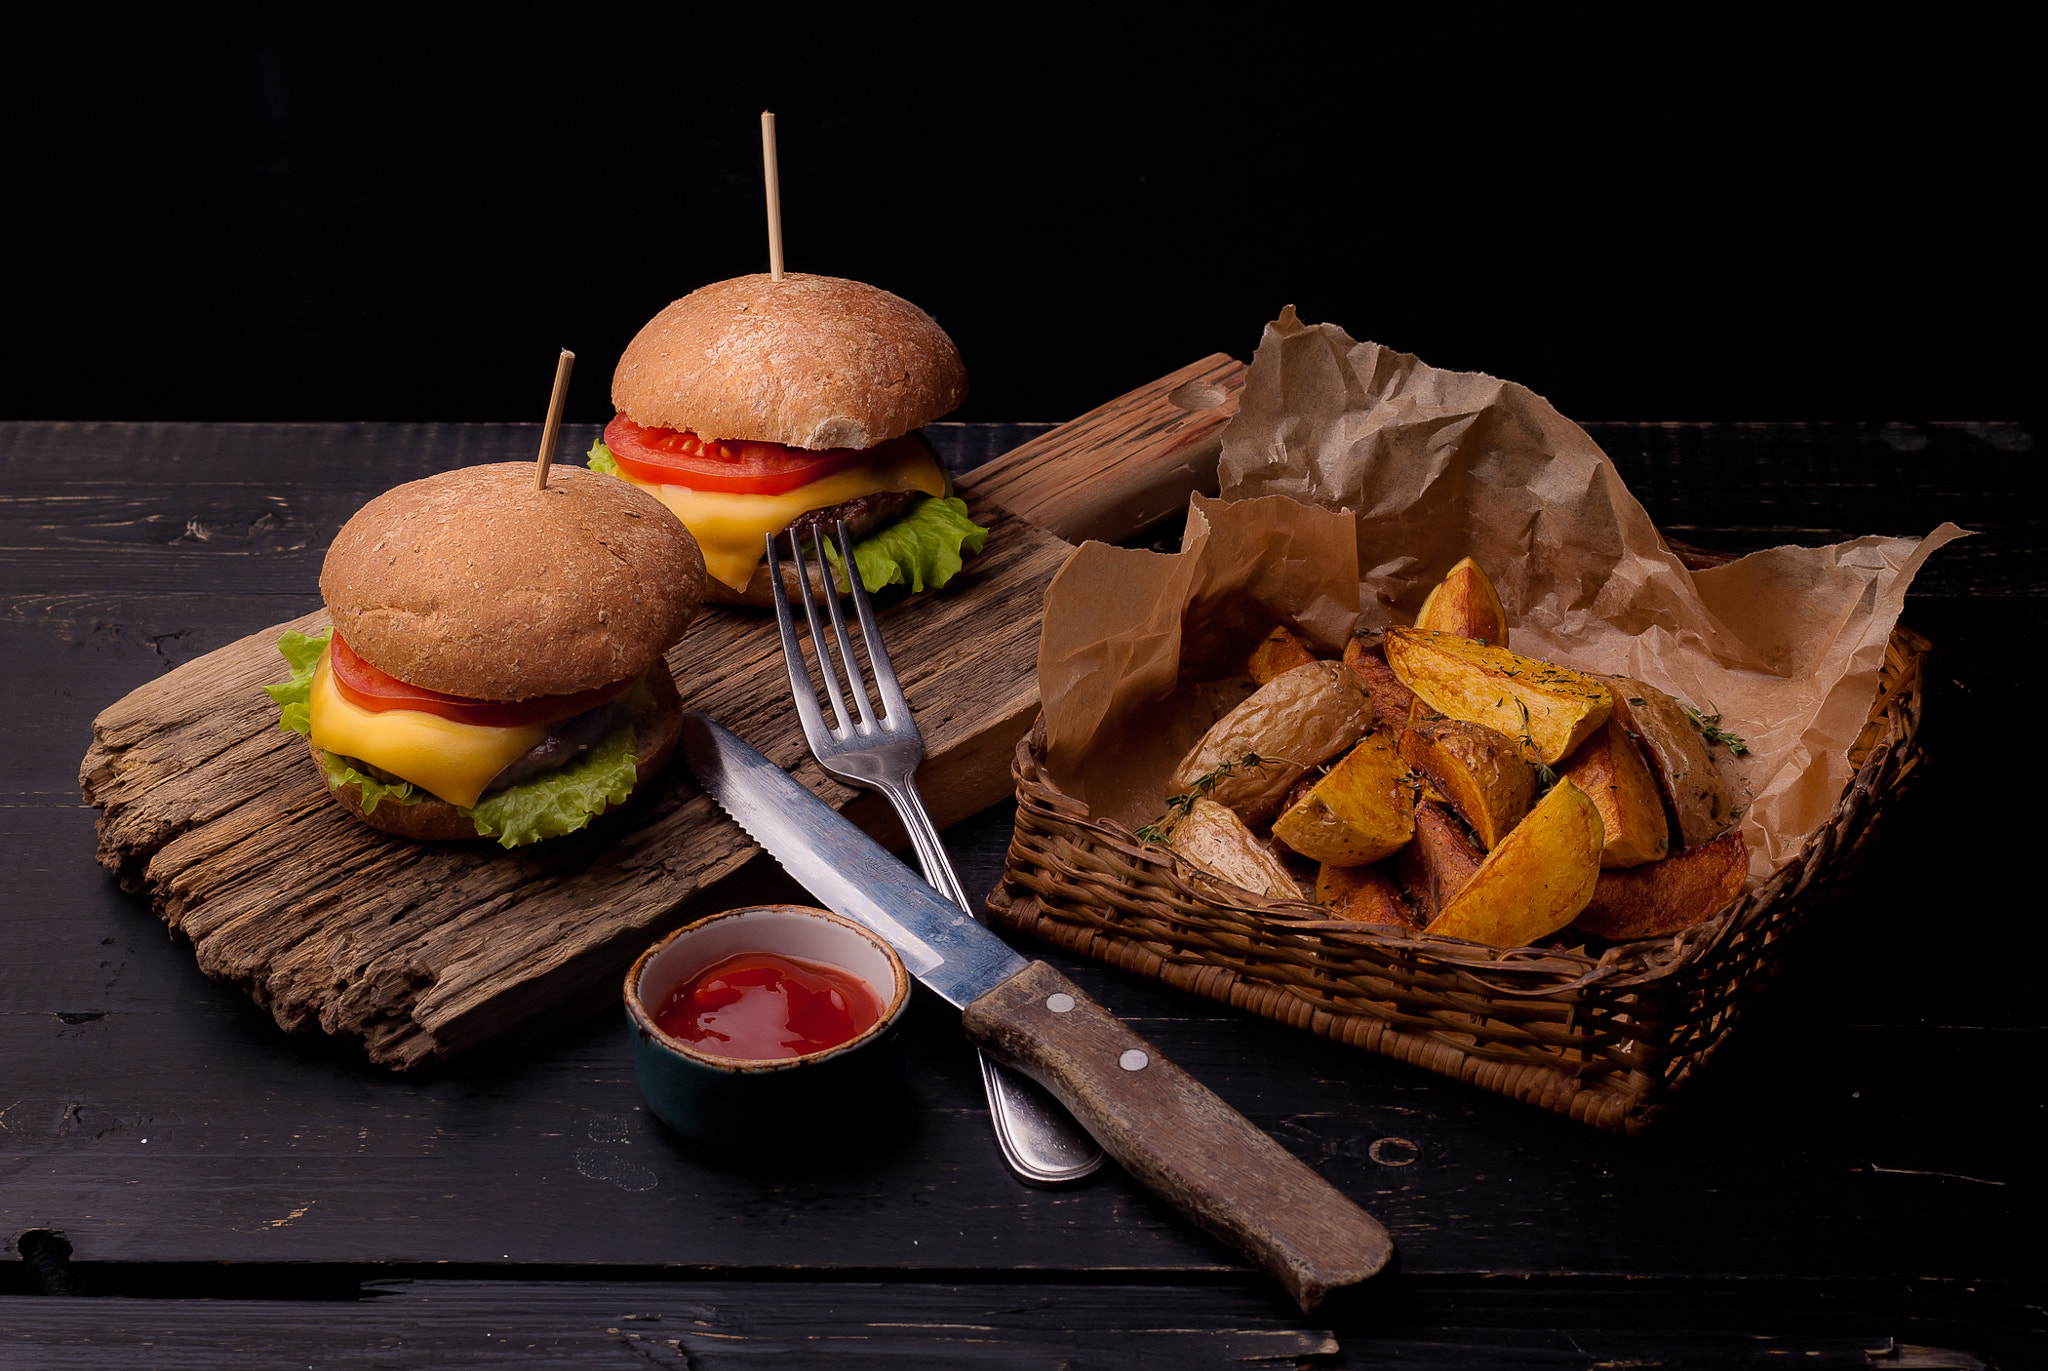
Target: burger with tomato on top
x,y
495,667
755,405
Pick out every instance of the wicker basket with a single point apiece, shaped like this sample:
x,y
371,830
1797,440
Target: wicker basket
x,y
1606,1040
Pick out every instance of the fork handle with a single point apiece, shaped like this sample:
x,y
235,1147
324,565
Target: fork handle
x,y
1039,1139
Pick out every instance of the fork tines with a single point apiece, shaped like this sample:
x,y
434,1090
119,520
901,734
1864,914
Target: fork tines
x,y
845,722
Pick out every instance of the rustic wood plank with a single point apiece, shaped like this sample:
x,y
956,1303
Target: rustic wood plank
x,y
420,951
1124,466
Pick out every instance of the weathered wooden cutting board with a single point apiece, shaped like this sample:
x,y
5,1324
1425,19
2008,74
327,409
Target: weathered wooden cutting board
x,y
422,952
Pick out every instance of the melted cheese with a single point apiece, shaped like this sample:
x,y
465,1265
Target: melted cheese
x,y
454,761
730,528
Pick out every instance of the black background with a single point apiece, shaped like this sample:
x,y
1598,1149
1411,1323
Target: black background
x,y
379,211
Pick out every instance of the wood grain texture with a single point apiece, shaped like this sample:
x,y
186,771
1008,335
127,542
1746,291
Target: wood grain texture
x,y
1190,1148
425,951
1125,466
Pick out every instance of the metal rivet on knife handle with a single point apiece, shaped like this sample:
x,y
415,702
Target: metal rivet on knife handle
x,y
1059,1004
1134,1060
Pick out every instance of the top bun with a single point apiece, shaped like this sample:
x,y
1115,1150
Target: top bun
x,y
474,583
807,361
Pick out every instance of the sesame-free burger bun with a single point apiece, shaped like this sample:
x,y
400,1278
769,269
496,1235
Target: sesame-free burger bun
x,y
473,583
807,361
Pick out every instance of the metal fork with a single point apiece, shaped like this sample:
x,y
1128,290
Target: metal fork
x,y
881,752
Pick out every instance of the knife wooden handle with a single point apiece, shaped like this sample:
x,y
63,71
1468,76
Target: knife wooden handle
x,y
1171,1132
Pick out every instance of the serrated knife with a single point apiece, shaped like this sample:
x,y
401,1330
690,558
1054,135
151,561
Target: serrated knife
x,y
1167,1129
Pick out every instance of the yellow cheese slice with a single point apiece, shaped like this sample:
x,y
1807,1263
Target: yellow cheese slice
x,y
454,761
730,527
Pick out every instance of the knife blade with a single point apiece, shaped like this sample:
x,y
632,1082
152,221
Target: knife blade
x,y
1167,1129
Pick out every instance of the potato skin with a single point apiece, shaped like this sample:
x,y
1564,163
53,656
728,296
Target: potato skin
x,y
1438,863
1212,837
1662,898
1698,798
1392,702
1363,894
1299,719
1536,881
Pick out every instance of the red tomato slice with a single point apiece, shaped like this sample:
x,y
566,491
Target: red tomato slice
x,y
367,687
671,457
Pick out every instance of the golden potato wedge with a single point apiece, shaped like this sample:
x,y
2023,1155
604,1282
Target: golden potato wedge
x,y
1363,810
1213,838
1363,894
1480,772
1438,862
1659,899
1299,719
1536,881
1698,798
1278,651
1392,702
1552,707
1465,603
1610,768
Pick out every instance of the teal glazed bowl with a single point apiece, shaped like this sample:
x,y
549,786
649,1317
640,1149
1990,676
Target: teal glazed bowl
x,y
784,1103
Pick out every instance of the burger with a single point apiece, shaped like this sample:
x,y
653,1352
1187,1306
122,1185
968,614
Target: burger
x,y
495,667
754,405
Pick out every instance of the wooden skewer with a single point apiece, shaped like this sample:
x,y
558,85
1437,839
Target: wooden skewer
x,y
774,179
563,365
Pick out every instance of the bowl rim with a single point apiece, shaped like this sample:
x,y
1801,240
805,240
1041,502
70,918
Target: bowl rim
x,y
895,1003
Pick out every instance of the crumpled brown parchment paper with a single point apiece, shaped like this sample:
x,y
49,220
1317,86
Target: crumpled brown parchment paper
x,y
1353,477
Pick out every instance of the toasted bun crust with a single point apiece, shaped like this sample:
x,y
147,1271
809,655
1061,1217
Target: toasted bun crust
x,y
807,361
474,583
435,820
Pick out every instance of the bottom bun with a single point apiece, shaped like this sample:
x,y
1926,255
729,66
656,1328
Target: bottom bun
x,y
435,820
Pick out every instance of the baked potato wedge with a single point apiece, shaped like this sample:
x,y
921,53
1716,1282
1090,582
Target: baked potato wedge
x,y
1362,894
1299,719
1660,899
1552,708
1438,862
1281,650
1700,804
1465,603
1537,881
1212,837
1610,768
1392,702
1481,773
1361,811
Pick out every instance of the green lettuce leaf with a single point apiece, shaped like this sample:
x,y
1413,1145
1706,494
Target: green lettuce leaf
x,y
564,800
548,806
599,459
341,771
920,550
294,697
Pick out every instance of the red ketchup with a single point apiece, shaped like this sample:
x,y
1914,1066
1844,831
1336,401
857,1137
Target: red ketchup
x,y
762,1007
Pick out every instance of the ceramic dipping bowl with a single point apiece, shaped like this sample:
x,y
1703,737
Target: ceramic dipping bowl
x,y
782,1103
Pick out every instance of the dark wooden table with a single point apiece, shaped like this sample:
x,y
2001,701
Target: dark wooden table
x,y
1855,1181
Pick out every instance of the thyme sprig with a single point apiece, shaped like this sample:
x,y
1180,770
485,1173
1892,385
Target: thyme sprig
x,y
1545,777
1178,806
1709,726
